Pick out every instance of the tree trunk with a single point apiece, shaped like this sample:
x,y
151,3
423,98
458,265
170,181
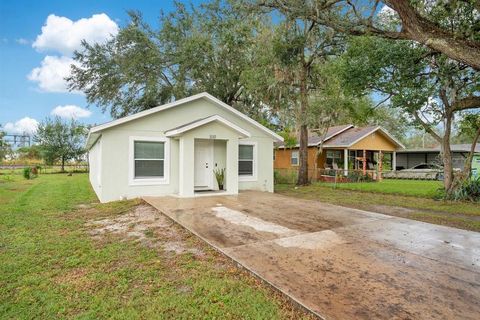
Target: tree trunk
x,y
447,155
63,164
303,153
467,169
303,149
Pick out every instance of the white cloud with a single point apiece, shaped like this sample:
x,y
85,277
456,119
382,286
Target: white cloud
x,y
50,76
24,125
22,41
71,112
64,35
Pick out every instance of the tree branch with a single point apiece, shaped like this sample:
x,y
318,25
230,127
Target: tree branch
x,y
471,102
427,127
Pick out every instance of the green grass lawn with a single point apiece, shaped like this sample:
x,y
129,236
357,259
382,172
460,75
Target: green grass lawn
x,y
420,188
393,200
50,266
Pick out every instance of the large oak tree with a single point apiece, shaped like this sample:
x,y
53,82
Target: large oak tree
x,y
451,27
196,48
430,88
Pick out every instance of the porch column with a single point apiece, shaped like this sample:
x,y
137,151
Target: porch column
x,y
186,167
380,165
231,175
345,162
394,161
364,164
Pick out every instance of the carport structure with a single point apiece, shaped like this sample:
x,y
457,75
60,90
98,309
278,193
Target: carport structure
x,y
340,263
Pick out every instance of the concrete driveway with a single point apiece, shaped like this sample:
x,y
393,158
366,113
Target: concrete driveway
x,y
341,263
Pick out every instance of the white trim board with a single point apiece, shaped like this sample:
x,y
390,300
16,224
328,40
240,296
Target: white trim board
x,y
201,122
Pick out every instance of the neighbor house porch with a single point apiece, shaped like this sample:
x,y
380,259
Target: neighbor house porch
x,y
356,160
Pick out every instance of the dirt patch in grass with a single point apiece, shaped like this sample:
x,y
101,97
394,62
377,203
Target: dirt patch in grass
x,y
76,277
176,246
147,226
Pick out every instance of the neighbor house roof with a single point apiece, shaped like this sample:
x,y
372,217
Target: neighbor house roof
x,y
95,132
454,147
315,139
346,136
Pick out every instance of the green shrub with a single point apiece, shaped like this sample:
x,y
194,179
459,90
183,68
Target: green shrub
x,y
285,176
27,173
30,172
357,176
468,190
220,176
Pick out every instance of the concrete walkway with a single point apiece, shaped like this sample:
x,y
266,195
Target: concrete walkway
x,y
341,263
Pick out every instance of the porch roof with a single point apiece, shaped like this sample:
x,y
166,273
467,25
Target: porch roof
x,y
177,131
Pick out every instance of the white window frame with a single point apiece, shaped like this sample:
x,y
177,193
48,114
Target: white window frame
x,y
131,158
334,151
252,177
292,157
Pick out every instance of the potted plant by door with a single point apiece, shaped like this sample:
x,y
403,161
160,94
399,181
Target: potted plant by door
x,y
220,176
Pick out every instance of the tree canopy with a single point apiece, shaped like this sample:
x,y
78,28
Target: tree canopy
x,y
60,140
448,27
197,48
429,87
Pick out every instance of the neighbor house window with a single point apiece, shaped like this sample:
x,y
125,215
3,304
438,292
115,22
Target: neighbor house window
x,y
334,156
149,163
294,158
149,159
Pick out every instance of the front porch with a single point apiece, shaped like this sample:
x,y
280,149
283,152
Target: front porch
x,y
207,146
347,161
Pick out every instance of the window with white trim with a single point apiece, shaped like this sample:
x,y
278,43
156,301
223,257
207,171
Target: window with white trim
x,y
149,159
246,161
294,158
334,157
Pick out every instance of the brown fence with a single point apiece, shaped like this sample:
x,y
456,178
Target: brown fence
x,y
289,176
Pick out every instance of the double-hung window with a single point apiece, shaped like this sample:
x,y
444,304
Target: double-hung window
x,y
149,163
294,158
247,161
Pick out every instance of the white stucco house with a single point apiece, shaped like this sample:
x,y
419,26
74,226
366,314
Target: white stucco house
x,y
174,149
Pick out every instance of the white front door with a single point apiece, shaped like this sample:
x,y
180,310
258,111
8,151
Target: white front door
x,y
203,160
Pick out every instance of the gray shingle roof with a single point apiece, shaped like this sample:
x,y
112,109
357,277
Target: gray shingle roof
x,y
314,139
454,147
346,135
349,136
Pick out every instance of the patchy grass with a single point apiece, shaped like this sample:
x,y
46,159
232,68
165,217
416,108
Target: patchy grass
x,y
51,267
418,188
463,215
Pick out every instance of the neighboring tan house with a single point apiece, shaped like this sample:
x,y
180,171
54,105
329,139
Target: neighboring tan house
x,y
174,149
345,148
409,158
